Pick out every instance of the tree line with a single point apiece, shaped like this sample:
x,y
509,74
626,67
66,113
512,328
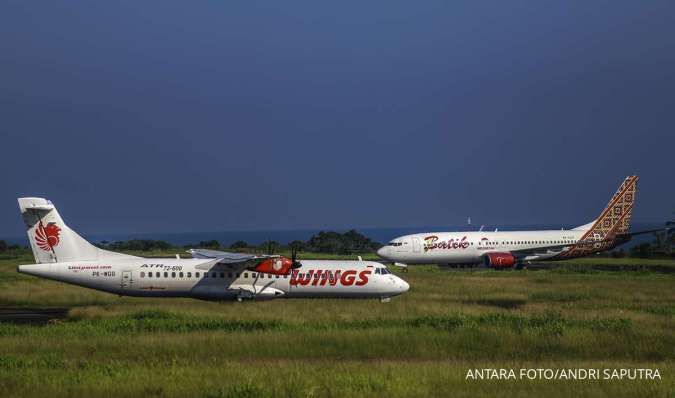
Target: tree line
x,y
329,242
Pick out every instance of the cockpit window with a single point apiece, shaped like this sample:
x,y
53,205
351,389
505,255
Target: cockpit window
x,y
382,271
394,244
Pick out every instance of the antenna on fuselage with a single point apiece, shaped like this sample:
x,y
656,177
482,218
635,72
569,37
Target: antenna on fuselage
x,y
481,228
468,221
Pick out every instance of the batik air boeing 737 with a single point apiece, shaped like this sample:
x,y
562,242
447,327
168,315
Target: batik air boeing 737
x,y
63,255
508,249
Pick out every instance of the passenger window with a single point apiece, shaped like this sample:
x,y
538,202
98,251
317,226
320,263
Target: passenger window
x,y
238,274
166,274
222,274
149,274
157,274
269,276
197,274
173,274
245,274
277,276
229,275
180,274
142,274
189,274
214,274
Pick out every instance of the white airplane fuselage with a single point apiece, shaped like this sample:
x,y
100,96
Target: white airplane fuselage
x,y
204,279
471,247
509,248
63,255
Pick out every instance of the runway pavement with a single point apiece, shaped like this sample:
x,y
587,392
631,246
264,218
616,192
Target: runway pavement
x,y
31,315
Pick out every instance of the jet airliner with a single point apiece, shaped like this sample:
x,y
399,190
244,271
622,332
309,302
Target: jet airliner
x,y
63,255
512,248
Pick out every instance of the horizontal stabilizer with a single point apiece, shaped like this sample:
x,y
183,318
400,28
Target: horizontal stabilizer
x,y
585,226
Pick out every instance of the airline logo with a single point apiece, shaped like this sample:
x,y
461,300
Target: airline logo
x,y
47,237
329,278
432,243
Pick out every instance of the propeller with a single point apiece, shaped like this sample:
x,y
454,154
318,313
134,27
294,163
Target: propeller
x,y
295,264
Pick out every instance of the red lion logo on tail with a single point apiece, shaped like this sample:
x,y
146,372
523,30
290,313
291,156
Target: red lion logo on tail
x,y
47,237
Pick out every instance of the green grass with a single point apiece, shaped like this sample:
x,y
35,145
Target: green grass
x,y
419,344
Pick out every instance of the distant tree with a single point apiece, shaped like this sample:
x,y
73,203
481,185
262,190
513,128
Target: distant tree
x,y
619,253
140,245
269,247
325,242
337,243
3,246
209,244
297,245
240,244
643,250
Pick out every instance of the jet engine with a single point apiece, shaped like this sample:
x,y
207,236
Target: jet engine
x,y
500,260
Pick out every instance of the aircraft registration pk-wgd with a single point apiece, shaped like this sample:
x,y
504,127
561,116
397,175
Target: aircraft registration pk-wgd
x,y
63,255
510,248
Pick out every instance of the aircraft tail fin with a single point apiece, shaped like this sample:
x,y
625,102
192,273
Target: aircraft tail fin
x,y
615,218
52,240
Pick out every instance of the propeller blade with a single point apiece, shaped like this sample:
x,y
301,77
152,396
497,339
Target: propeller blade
x,y
294,258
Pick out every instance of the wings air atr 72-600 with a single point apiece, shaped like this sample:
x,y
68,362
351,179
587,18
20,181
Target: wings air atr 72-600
x,y
510,248
63,255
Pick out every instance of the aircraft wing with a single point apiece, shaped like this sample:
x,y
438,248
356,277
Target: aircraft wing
x,y
224,257
233,261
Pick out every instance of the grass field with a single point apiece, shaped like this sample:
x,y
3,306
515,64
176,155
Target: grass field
x,y
422,343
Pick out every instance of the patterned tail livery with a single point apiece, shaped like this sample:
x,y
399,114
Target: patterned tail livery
x,y
51,239
613,221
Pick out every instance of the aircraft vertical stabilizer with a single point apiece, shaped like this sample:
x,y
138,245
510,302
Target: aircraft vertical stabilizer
x,y
614,219
51,239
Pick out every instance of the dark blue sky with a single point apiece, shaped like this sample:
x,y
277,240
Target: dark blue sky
x,y
175,116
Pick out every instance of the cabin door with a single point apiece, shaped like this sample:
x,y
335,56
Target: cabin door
x,y
416,245
126,280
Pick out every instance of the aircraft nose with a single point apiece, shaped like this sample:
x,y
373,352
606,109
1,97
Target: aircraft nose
x,y
382,252
400,286
404,286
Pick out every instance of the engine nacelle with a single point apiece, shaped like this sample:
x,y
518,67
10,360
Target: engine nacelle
x,y
500,260
274,265
268,293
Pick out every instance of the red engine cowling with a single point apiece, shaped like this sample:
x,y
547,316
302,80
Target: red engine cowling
x,y
274,265
500,260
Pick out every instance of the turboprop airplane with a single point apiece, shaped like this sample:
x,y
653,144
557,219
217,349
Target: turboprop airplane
x,y
512,248
63,255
